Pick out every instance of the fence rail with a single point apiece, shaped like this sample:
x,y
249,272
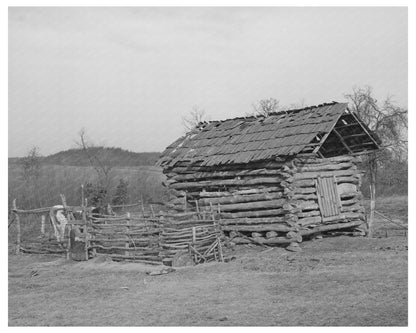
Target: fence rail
x,y
152,239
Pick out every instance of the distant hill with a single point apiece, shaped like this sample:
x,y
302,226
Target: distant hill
x,y
116,157
108,156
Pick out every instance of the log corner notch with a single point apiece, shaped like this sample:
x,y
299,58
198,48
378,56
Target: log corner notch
x,y
276,179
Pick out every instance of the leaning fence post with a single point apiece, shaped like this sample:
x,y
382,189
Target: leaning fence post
x,y
18,236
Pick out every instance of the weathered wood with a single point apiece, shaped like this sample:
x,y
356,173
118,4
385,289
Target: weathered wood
x,y
241,198
306,190
256,220
307,205
257,213
349,179
259,227
228,174
228,182
329,227
309,220
263,241
18,231
343,216
186,168
271,234
315,174
335,159
349,202
310,183
42,225
253,205
309,214
311,196
354,208
143,249
373,167
325,167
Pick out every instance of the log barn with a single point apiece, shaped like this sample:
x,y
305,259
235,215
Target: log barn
x,y
273,179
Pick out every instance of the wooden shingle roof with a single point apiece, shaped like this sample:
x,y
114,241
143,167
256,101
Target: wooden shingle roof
x,y
250,139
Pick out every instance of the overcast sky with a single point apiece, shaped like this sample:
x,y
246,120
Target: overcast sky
x,y
127,75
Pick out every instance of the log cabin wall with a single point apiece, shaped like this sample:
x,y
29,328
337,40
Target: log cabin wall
x,y
327,191
254,199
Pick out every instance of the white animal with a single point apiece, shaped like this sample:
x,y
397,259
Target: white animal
x,y
58,221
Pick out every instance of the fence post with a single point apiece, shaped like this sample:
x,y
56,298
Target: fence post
x,y
86,233
42,226
18,236
127,245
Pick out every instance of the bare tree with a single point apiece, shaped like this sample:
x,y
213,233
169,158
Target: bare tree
x,y
265,107
194,118
386,119
389,122
102,169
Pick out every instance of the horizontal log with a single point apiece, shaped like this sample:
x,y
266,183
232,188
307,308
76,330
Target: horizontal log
x,y
198,233
309,220
257,213
132,239
348,195
240,198
315,174
344,216
309,183
172,228
309,213
326,167
328,160
137,248
253,205
188,238
354,208
307,205
230,192
310,196
349,202
261,240
305,190
228,182
111,232
124,225
185,167
259,227
329,227
349,179
228,174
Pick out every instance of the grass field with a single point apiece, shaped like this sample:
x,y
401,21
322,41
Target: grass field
x,y
337,281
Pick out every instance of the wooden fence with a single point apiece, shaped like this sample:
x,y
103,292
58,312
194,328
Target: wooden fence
x,y
142,236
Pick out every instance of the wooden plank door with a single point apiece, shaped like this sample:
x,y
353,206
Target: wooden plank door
x,y
328,197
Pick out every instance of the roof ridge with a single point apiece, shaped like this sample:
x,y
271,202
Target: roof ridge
x,y
254,117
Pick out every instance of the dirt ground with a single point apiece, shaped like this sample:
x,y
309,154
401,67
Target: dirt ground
x,y
339,281
335,281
